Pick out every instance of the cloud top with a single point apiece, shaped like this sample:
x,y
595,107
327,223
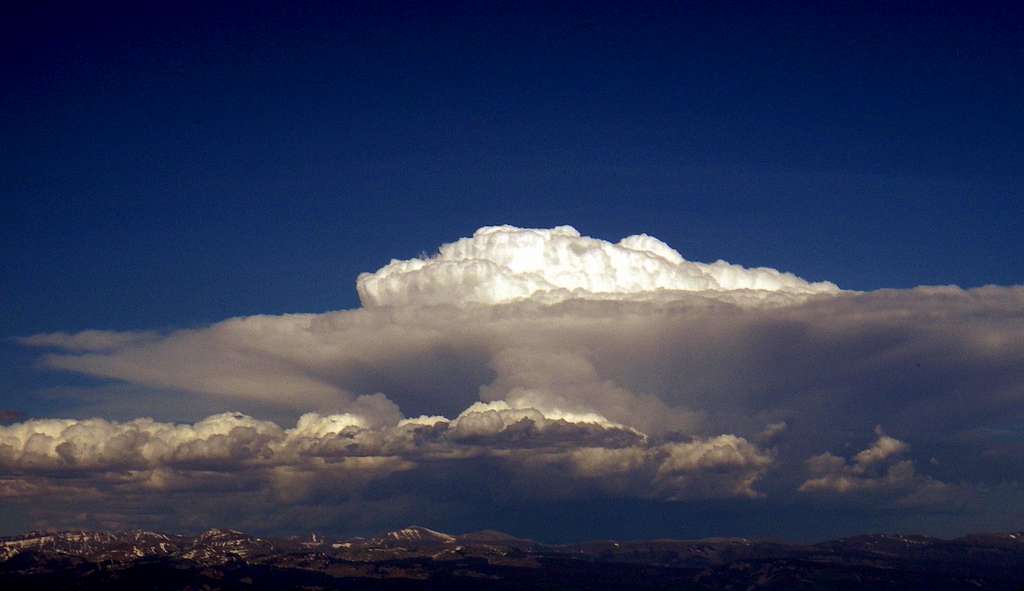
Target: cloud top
x,y
501,264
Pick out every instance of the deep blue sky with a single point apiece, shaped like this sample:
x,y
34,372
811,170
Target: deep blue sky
x,y
172,166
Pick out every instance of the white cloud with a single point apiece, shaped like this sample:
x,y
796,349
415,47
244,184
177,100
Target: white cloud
x,y
725,466
772,432
503,264
152,455
876,470
501,424
882,449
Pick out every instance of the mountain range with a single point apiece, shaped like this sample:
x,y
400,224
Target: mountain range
x,y
421,558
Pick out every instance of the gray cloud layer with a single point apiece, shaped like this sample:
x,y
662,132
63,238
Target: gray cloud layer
x,y
614,369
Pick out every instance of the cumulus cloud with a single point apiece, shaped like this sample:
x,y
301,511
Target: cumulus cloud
x,y
772,432
882,449
494,422
585,364
878,469
724,466
154,455
44,444
501,264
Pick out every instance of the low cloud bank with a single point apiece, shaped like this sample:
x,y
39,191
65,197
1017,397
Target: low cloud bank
x,y
143,454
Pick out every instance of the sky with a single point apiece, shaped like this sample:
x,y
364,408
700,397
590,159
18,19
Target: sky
x,y
202,205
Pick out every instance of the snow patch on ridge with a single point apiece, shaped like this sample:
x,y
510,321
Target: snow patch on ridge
x,y
416,533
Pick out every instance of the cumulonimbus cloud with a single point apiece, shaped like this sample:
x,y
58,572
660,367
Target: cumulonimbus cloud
x,y
620,367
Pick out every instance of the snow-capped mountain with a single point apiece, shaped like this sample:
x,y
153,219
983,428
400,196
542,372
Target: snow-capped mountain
x,y
98,546
415,534
229,559
218,545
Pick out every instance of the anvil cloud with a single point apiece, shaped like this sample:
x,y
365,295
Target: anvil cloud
x,y
573,368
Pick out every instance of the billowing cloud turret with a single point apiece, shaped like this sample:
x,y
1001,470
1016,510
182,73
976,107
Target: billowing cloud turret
x,y
502,264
